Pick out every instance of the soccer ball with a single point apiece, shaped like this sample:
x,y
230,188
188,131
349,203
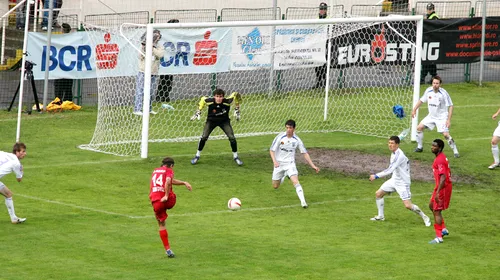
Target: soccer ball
x,y
234,204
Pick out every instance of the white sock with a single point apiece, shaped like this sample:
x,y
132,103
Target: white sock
x,y
494,151
420,139
380,206
452,145
10,207
235,154
198,153
417,210
300,193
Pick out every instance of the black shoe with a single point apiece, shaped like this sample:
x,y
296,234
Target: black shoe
x,y
418,150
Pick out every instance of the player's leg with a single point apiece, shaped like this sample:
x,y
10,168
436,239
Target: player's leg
x,y
451,143
228,130
207,130
161,216
494,148
405,195
428,123
278,175
438,218
387,187
9,203
293,174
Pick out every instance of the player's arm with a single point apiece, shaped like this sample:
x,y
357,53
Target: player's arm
x,y
450,112
496,114
168,188
309,161
442,179
394,164
201,104
414,111
18,170
179,182
273,157
236,96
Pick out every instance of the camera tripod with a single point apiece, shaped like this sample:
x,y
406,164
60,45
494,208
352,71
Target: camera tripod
x,y
29,76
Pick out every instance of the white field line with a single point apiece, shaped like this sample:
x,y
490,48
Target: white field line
x,y
220,211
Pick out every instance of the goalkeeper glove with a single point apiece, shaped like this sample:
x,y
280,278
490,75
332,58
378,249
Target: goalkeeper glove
x,y
237,113
196,115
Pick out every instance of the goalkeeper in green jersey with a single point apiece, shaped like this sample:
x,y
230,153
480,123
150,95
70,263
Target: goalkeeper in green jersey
x,y
218,116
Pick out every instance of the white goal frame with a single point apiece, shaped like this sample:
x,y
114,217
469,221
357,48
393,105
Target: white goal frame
x,y
392,18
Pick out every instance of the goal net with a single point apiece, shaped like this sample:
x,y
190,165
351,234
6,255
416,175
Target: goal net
x,y
151,78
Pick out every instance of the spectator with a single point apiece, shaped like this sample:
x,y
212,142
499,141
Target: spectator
x,y
57,4
20,17
63,88
158,52
321,70
429,68
165,82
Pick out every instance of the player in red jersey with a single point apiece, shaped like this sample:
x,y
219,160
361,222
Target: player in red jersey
x,y
163,197
440,199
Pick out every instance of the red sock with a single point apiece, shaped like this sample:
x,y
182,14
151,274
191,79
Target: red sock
x,y
164,239
442,224
437,229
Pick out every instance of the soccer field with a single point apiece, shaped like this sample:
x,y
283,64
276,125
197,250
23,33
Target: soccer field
x,y
88,214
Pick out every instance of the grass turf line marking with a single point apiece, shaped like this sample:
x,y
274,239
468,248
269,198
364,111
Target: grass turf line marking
x,y
221,211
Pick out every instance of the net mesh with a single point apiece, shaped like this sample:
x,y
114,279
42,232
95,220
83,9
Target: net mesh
x,y
372,67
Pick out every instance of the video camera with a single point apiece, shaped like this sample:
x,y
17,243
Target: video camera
x,y
28,65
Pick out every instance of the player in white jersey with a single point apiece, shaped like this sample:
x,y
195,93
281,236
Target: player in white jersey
x,y
494,143
440,112
400,182
9,162
282,153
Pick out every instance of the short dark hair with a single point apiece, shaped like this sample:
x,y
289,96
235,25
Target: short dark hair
x,y
440,144
290,123
168,162
430,6
219,92
18,147
174,20
437,78
323,6
395,139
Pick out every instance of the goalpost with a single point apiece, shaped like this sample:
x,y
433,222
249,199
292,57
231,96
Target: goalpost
x,y
373,64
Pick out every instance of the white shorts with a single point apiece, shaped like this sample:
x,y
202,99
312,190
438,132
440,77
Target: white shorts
x,y
431,122
497,131
390,186
285,169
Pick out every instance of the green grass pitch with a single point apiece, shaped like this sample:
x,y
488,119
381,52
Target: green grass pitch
x,y
89,216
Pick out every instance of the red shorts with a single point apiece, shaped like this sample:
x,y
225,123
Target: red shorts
x,y
444,199
161,208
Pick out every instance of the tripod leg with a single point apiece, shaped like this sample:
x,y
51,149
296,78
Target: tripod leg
x,y
15,95
35,95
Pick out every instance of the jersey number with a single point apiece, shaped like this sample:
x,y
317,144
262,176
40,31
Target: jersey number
x,y
157,181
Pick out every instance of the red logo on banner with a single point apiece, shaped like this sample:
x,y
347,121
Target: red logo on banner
x,y
107,54
206,51
378,46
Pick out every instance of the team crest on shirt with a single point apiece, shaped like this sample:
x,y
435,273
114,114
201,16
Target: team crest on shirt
x,y
430,97
282,143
